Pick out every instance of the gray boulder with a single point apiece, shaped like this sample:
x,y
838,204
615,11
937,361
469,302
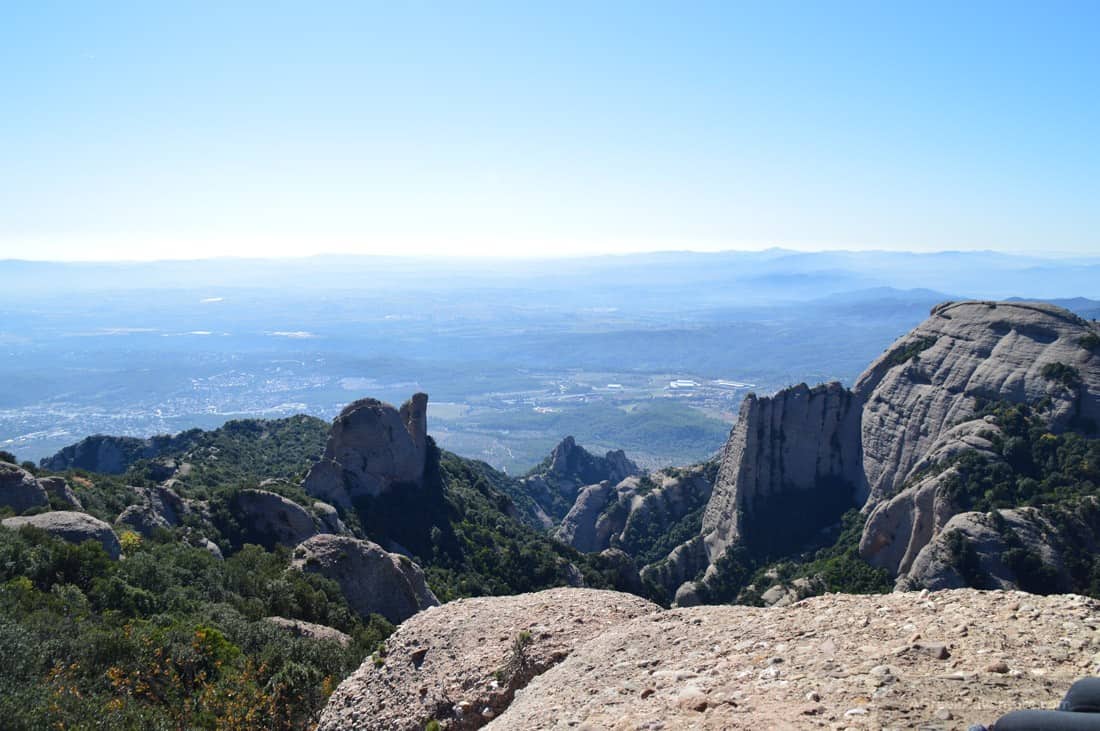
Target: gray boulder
x,y
72,527
58,489
309,630
329,518
157,507
371,579
579,527
19,490
1005,549
372,446
269,519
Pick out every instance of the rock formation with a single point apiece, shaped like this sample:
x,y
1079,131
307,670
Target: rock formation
x,y
106,454
796,461
943,660
579,528
60,493
19,490
372,447
648,506
1007,549
556,483
267,518
460,664
72,527
796,445
157,507
371,579
310,630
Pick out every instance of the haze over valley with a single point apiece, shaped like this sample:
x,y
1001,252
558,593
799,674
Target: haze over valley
x,y
650,353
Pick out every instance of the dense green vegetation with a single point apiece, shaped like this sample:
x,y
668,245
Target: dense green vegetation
x,y
1059,474
458,529
743,575
172,637
243,451
1038,466
911,351
168,638
1062,373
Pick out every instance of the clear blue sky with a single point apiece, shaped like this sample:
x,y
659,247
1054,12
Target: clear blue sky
x,y
164,129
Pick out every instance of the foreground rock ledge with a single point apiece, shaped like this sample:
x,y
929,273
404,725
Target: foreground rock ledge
x,y
457,663
907,660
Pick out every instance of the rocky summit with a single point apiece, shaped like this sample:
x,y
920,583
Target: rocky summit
x,y
578,659
795,462
372,447
460,664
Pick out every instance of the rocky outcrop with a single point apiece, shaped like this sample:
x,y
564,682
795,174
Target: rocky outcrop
x,y
60,493
794,462
683,564
639,506
966,352
269,519
919,409
798,446
72,527
157,507
372,580
106,454
1006,549
556,484
19,490
461,663
942,660
372,447
579,528
310,630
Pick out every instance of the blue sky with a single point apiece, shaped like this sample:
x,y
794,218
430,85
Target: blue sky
x,y
163,130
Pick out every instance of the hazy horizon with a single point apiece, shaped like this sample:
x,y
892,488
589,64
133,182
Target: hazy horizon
x,y
159,257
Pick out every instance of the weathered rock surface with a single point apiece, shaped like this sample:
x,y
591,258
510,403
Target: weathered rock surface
x,y
157,507
579,526
60,492
570,468
310,630
19,490
372,446
795,441
602,517
371,579
968,351
914,660
911,411
72,527
984,544
106,454
268,518
459,664
685,562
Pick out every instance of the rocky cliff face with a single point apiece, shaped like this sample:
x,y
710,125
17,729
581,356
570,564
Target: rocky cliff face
x,y
372,446
19,490
555,485
797,460
968,352
636,511
801,444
